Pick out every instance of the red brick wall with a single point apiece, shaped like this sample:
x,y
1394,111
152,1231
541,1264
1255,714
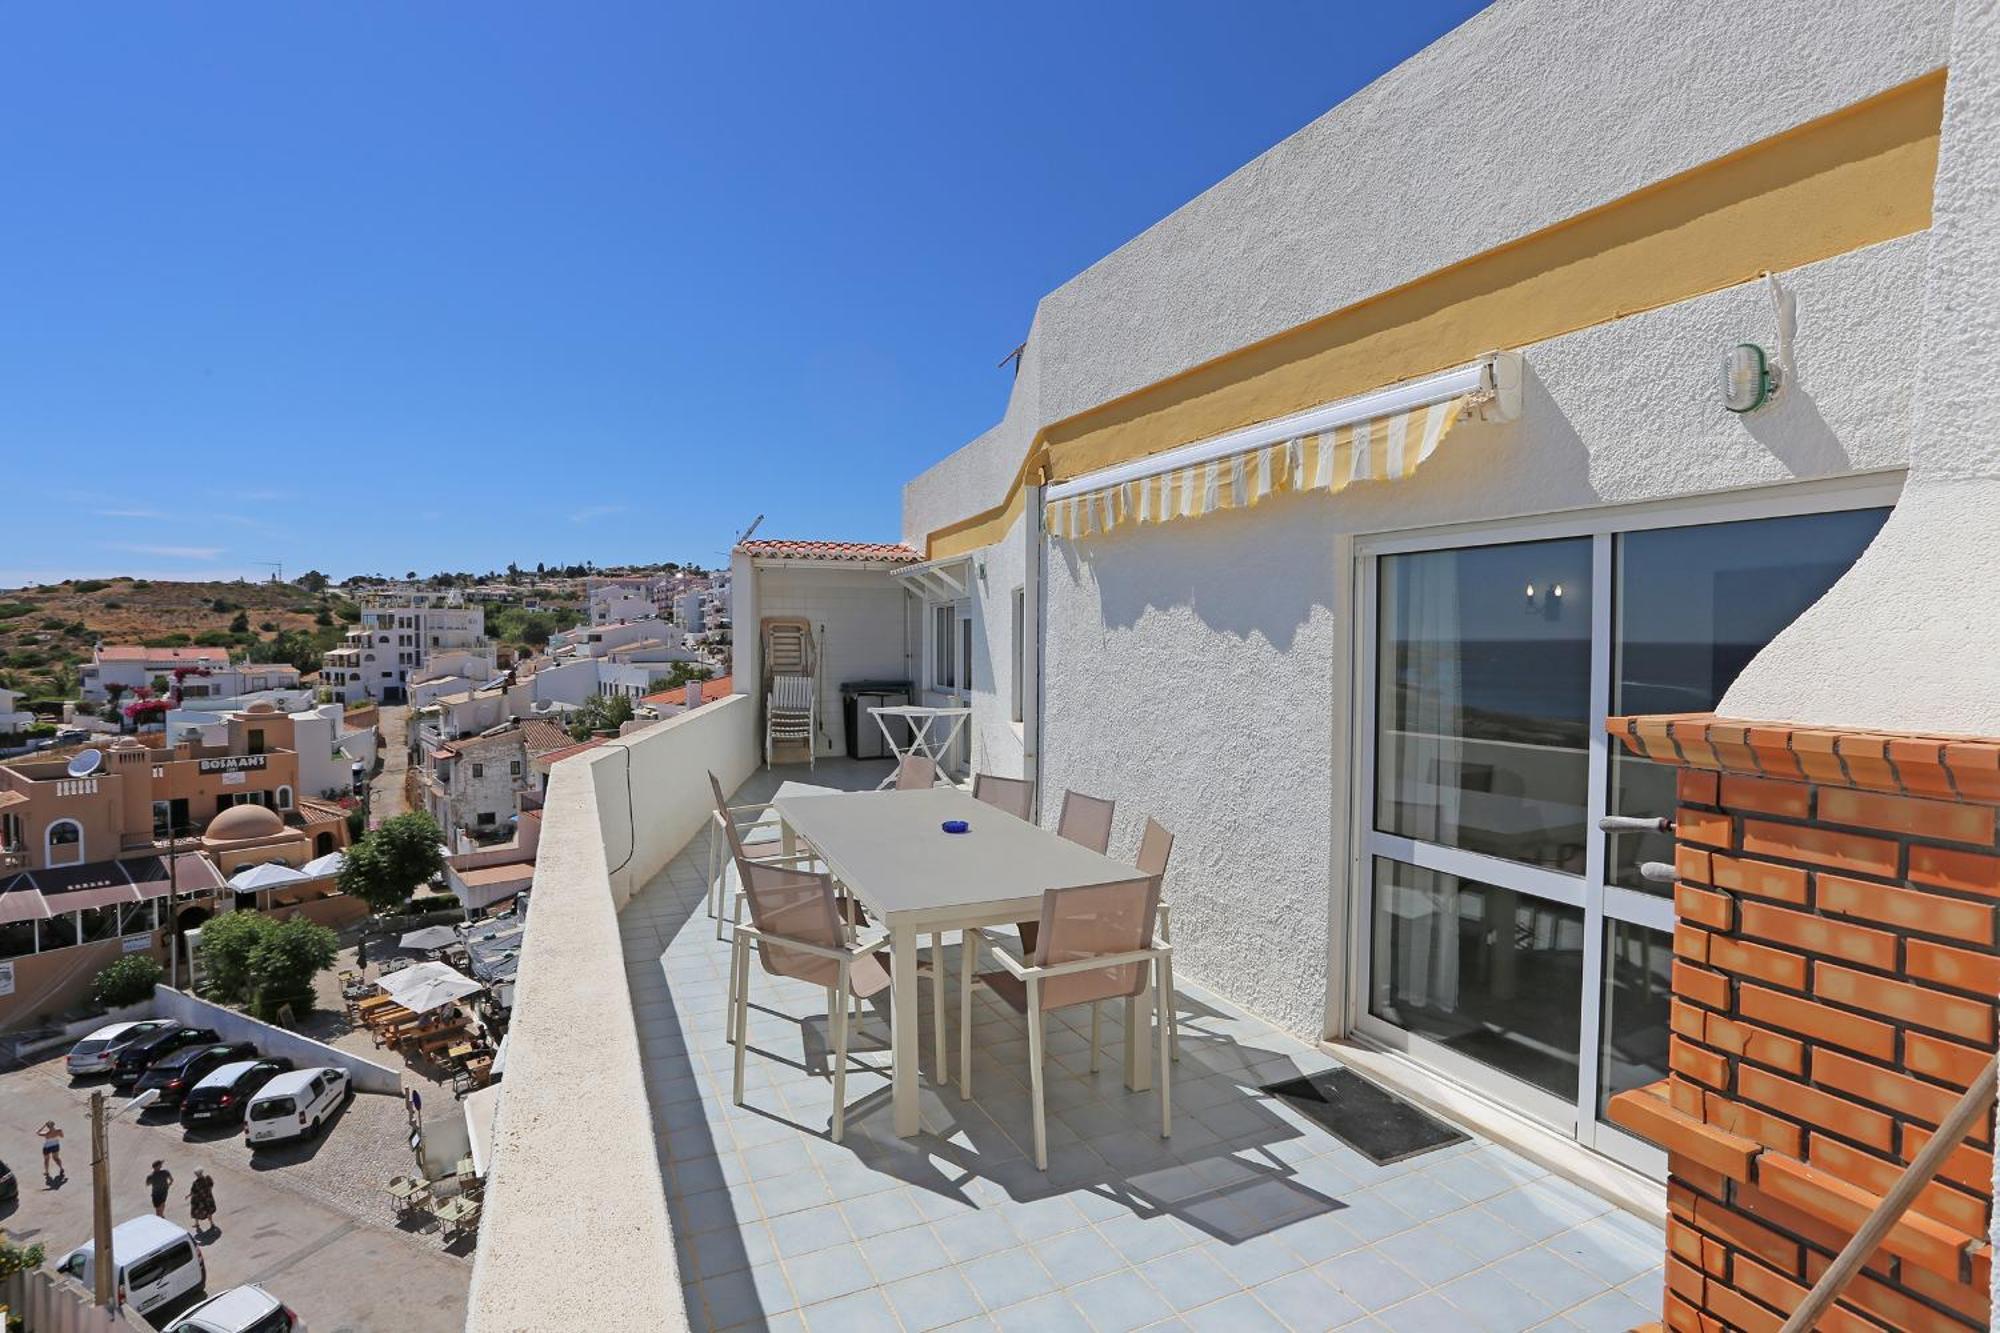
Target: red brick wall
x,y
1837,902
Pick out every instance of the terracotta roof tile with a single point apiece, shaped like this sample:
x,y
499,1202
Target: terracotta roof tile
x,y
832,551
711,690
542,736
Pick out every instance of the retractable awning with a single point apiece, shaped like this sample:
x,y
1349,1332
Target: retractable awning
x,y
1379,436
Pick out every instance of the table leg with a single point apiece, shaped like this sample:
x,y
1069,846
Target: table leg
x,y
1138,1041
903,1027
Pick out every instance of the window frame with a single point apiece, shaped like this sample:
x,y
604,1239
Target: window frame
x,y
1602,902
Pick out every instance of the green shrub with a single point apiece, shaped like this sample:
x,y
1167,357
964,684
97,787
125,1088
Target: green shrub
x,y
116,605
128,980
90,585
138,584
14,610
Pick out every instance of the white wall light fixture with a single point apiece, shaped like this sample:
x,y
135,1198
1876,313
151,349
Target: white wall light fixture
x,y
1749,380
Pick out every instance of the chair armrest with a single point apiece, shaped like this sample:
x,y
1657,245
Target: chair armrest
x,y
1008,963
1095,964
852,953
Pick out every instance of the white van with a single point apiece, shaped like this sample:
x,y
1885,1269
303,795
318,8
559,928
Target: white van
x,y
96,1053
295,1105
158,1261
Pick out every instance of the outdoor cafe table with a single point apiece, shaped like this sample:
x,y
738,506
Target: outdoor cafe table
x,y
889,849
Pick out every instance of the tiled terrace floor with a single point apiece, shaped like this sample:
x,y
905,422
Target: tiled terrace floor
x,y
1249,1217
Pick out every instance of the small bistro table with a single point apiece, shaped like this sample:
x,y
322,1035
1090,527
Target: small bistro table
x,y
888,848
920,718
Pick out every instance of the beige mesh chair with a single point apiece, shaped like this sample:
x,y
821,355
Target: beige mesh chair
x,y
1085,821
1156,846
916,772
1097,944
796,929
751,833
1014,795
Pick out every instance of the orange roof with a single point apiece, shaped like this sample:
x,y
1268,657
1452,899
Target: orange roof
x,y
894,552
550,757
711,690
541,736
130,652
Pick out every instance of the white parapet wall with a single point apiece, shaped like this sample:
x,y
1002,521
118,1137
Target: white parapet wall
x,y
303,1051
575,1231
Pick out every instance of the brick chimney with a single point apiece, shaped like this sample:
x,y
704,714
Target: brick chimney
x,y
1837,897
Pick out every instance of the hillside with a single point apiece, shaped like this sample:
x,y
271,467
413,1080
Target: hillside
x,y
46,631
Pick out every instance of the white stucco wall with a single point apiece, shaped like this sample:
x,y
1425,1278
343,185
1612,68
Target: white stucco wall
x,y
1910,639
1306,228
1200,672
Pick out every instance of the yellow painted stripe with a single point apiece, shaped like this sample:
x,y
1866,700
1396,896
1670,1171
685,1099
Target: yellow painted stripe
x,y
1855,178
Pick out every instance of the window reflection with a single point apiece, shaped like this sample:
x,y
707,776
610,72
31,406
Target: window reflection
x,y
1694,605
1638,986
1494,974
1484,699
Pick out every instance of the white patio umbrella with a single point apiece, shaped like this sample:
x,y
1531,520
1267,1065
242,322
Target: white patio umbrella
x,y
267,876
428,937
329,864
424,987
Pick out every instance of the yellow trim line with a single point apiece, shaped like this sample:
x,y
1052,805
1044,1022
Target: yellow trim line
x,y
1857,177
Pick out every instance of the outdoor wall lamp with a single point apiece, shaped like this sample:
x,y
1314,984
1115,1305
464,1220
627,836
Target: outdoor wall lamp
x,y
1749,380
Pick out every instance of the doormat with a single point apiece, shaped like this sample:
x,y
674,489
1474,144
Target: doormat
x,y
1375,1123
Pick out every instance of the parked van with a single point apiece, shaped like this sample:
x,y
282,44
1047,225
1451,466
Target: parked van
x,y
158,1261
295,1105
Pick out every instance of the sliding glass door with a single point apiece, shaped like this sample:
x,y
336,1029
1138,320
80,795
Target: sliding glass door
x,y
1504,939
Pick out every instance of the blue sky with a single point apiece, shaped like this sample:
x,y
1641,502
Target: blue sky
x,y
375,287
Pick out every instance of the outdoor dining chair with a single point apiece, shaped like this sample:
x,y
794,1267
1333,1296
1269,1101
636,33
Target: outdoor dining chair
x,y
1156,846
1096,944
916,772
1085,821
796,928
748,831
1014,795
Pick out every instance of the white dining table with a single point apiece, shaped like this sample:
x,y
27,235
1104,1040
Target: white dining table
x,y
890,850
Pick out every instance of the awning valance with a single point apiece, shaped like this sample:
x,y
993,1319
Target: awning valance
x,y
1381,436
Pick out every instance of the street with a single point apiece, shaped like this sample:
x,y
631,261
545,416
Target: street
x,y
386,797
308,1222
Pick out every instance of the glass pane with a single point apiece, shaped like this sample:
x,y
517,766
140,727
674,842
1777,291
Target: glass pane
x,y
1494,974
1483,699
1638,983
1693,606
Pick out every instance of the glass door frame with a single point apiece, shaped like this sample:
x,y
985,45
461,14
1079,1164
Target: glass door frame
x,y
1600,901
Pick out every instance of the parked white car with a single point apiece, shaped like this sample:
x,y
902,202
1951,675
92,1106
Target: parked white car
x,y
96,1053
295,1105
238,1310
158,1261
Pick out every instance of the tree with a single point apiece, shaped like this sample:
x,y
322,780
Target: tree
x,y
683,672
389,865
126,980
254,959
282,967
227,942
598,713
313,581
240,625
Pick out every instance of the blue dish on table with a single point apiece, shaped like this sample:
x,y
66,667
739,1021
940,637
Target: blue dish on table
x,y
956,826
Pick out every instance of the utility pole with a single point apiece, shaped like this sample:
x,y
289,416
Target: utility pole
x,y
100,1200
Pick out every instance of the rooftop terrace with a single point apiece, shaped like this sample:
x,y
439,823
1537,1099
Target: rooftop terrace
x,y
1249,1217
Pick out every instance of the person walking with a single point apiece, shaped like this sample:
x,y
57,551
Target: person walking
x,y
51,1153
201,1202
160,1182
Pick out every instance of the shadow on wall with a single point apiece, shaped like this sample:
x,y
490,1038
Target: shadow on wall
x,y
1792,430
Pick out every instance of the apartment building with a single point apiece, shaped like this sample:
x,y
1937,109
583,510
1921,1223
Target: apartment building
x,y
1589,418
13,718
400,632
124,668
611,601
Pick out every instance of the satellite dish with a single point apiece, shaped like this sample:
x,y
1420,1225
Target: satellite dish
x,y
86,763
